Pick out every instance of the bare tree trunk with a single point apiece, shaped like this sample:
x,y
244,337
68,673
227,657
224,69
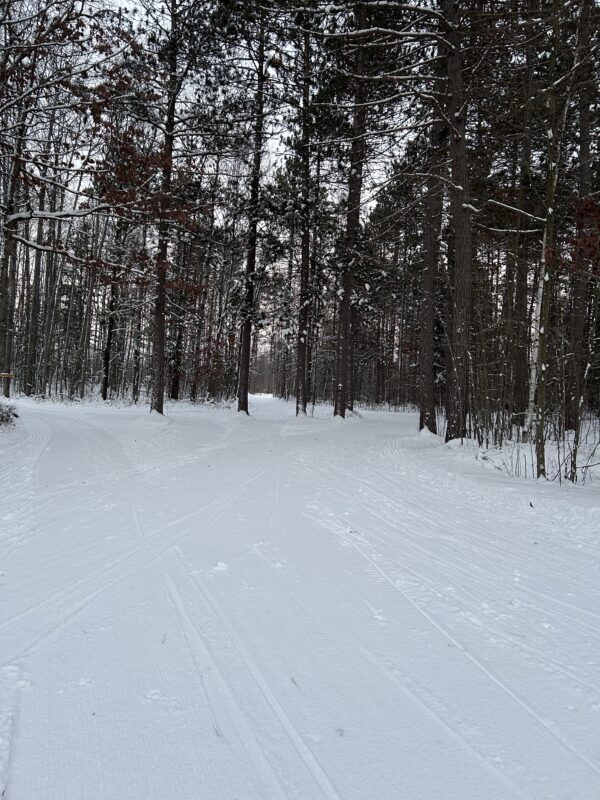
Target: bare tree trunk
x,y
432,226
518,333
246,332
204,282
80,373
461,221
110,327
137,350
34,314
581,358
9,254
176,376
303,315
162,254
556,122
357,158
576,363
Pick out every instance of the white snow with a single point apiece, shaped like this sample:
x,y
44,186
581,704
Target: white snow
x,y
210,606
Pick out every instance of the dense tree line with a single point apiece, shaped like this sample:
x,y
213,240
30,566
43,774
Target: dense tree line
x,y
371,201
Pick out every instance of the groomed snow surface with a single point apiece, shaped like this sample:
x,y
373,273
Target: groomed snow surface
x,y
210,606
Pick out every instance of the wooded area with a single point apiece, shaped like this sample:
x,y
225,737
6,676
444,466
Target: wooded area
x,y
370,202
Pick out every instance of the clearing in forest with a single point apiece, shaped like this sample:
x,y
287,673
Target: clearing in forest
x,y
210,606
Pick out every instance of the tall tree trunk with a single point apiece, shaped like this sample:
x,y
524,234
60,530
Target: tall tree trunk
x,y
432,226
162,254
460,212
303,314
9,254
576,363
177,355
246,331
111,317
355,180
137,349
110,327
84,339
517,333
203,296
579,363
34,313
555,125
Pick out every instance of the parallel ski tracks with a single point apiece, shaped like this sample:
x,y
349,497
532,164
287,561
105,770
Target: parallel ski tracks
x,y
399,546
428,709
320,776
373,559
95,491
125,565
452,563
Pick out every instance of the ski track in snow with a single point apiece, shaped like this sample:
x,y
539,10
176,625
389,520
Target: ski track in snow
x,y
316,770
9,686
213,606
371,559
219,690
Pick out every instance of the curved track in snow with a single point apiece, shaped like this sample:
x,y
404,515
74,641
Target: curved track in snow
x,y
210,607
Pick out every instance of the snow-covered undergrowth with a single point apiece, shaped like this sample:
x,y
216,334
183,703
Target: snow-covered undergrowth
x,y
7,414
213,606
518,459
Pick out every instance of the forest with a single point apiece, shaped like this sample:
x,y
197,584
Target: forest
x,y
368,202
299,399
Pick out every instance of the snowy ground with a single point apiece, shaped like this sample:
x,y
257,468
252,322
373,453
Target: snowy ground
x,y
209,606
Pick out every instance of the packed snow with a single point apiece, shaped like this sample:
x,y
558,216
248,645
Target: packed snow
x,y
208,606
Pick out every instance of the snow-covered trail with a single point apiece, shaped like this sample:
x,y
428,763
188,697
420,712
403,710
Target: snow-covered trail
x,y
210,606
